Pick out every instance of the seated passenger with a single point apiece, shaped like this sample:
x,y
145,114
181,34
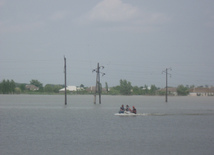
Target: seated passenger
x,y
134,110
127,108
121,109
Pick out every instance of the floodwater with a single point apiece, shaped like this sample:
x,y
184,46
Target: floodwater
x,y
42,124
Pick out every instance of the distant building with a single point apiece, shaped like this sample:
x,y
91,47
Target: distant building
x,y
80,88
92,89
201,92
170,90
69,88
72,89
31,87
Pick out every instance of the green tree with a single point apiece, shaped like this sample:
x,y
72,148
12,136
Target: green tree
x,y
17,90
145,90
137,90
182,91
4,87
7,87
48,88
153,89
37,84
82,86
106,87
12,86
1,88
114,90
22,87
57,88
125,87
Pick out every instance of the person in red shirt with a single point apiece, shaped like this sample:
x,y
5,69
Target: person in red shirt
x,y
134,110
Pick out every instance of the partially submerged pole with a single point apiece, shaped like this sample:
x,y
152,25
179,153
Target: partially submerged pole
x,y
166,94
95,91
98,84
65,81
166,88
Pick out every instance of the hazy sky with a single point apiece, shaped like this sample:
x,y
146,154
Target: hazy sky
x,y
133,39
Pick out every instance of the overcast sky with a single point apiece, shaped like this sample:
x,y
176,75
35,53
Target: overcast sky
x,y
133,39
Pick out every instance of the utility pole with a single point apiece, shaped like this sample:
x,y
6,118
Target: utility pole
x,y
65,80
166,71
98,84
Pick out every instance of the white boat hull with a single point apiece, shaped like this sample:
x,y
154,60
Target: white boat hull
x,y
125,114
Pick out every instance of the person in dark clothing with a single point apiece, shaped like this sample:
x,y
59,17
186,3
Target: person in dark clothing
x,y
127,108
134,110
121,109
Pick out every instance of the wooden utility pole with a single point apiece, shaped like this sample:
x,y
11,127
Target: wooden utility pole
x,y
98,84
166,95
65,80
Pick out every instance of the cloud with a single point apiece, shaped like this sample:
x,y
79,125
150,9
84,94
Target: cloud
x,y
16,28
2,2
209,19
59,15
121,16
113,11
9,26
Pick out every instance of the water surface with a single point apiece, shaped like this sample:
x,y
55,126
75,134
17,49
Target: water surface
x,y
42,124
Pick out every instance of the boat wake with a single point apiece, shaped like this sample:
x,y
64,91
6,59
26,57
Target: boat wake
x,y
131,114
159,114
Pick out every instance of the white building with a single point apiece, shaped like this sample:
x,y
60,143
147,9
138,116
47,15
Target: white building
x,y
69,88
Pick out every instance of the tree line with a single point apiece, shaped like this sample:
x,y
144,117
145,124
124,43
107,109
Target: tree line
x,y
124,88
7,87
10,87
